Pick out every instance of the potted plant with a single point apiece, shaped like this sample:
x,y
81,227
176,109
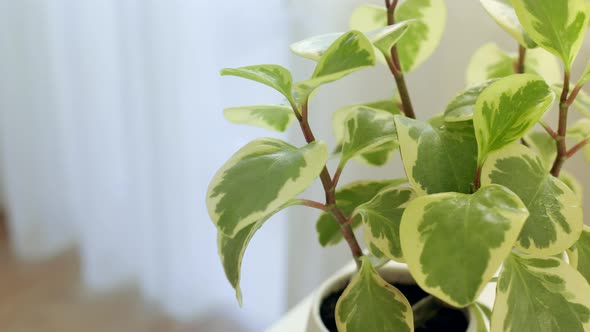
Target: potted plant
x,y
485,199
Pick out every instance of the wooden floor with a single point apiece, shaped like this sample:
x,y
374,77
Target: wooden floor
x,y
47,297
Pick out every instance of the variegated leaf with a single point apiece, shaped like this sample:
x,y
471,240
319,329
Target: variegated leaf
x,y
544,145
449,146
481,318
379,155
557,26
582,254
284,170
349,53
461,107
454,243
348,198
386,37
507,110
572,183
540,295
232,249
274,76
366,129
383,39
503,13
382,216
555,220
273,117
370,303
490,61
314,47
423,35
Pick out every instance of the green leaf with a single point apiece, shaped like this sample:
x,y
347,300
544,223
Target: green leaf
x,y
381,217
314,47
232,249
386,37
503,13
507,110
367,129
572,183
278,172
348,198
369,303
490,61
481,319
449,146
423,35
582,248
275,76
555,220
557,26
469,235
378,155
349,53
462,106
542,143
273,117
540,295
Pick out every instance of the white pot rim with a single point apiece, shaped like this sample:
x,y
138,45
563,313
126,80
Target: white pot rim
x,y
392,271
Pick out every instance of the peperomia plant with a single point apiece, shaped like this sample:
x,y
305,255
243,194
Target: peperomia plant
x,y
485,199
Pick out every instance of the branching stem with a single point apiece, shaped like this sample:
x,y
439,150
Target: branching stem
x,y
330,192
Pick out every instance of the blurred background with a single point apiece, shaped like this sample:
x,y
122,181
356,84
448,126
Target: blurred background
x,y
111,127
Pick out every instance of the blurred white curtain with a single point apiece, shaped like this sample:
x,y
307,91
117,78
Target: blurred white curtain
x,y
110,130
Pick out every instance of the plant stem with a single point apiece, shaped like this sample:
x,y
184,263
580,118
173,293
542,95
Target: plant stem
x,y
396,68
313,204
477,179
577,147
562,129
519,66
330,192
574,94
549,130
426,309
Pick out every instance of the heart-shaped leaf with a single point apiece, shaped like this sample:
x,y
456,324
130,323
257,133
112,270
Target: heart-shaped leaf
x,y
557,26
273,117
349,53
381,217
462,106
277,170
274,76
470,235
503,13
451,146
507,110
369,303
555,220
540,295
365,129
348,198
423,35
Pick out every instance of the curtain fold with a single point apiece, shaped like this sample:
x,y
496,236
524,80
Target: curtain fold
x,y
111,127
